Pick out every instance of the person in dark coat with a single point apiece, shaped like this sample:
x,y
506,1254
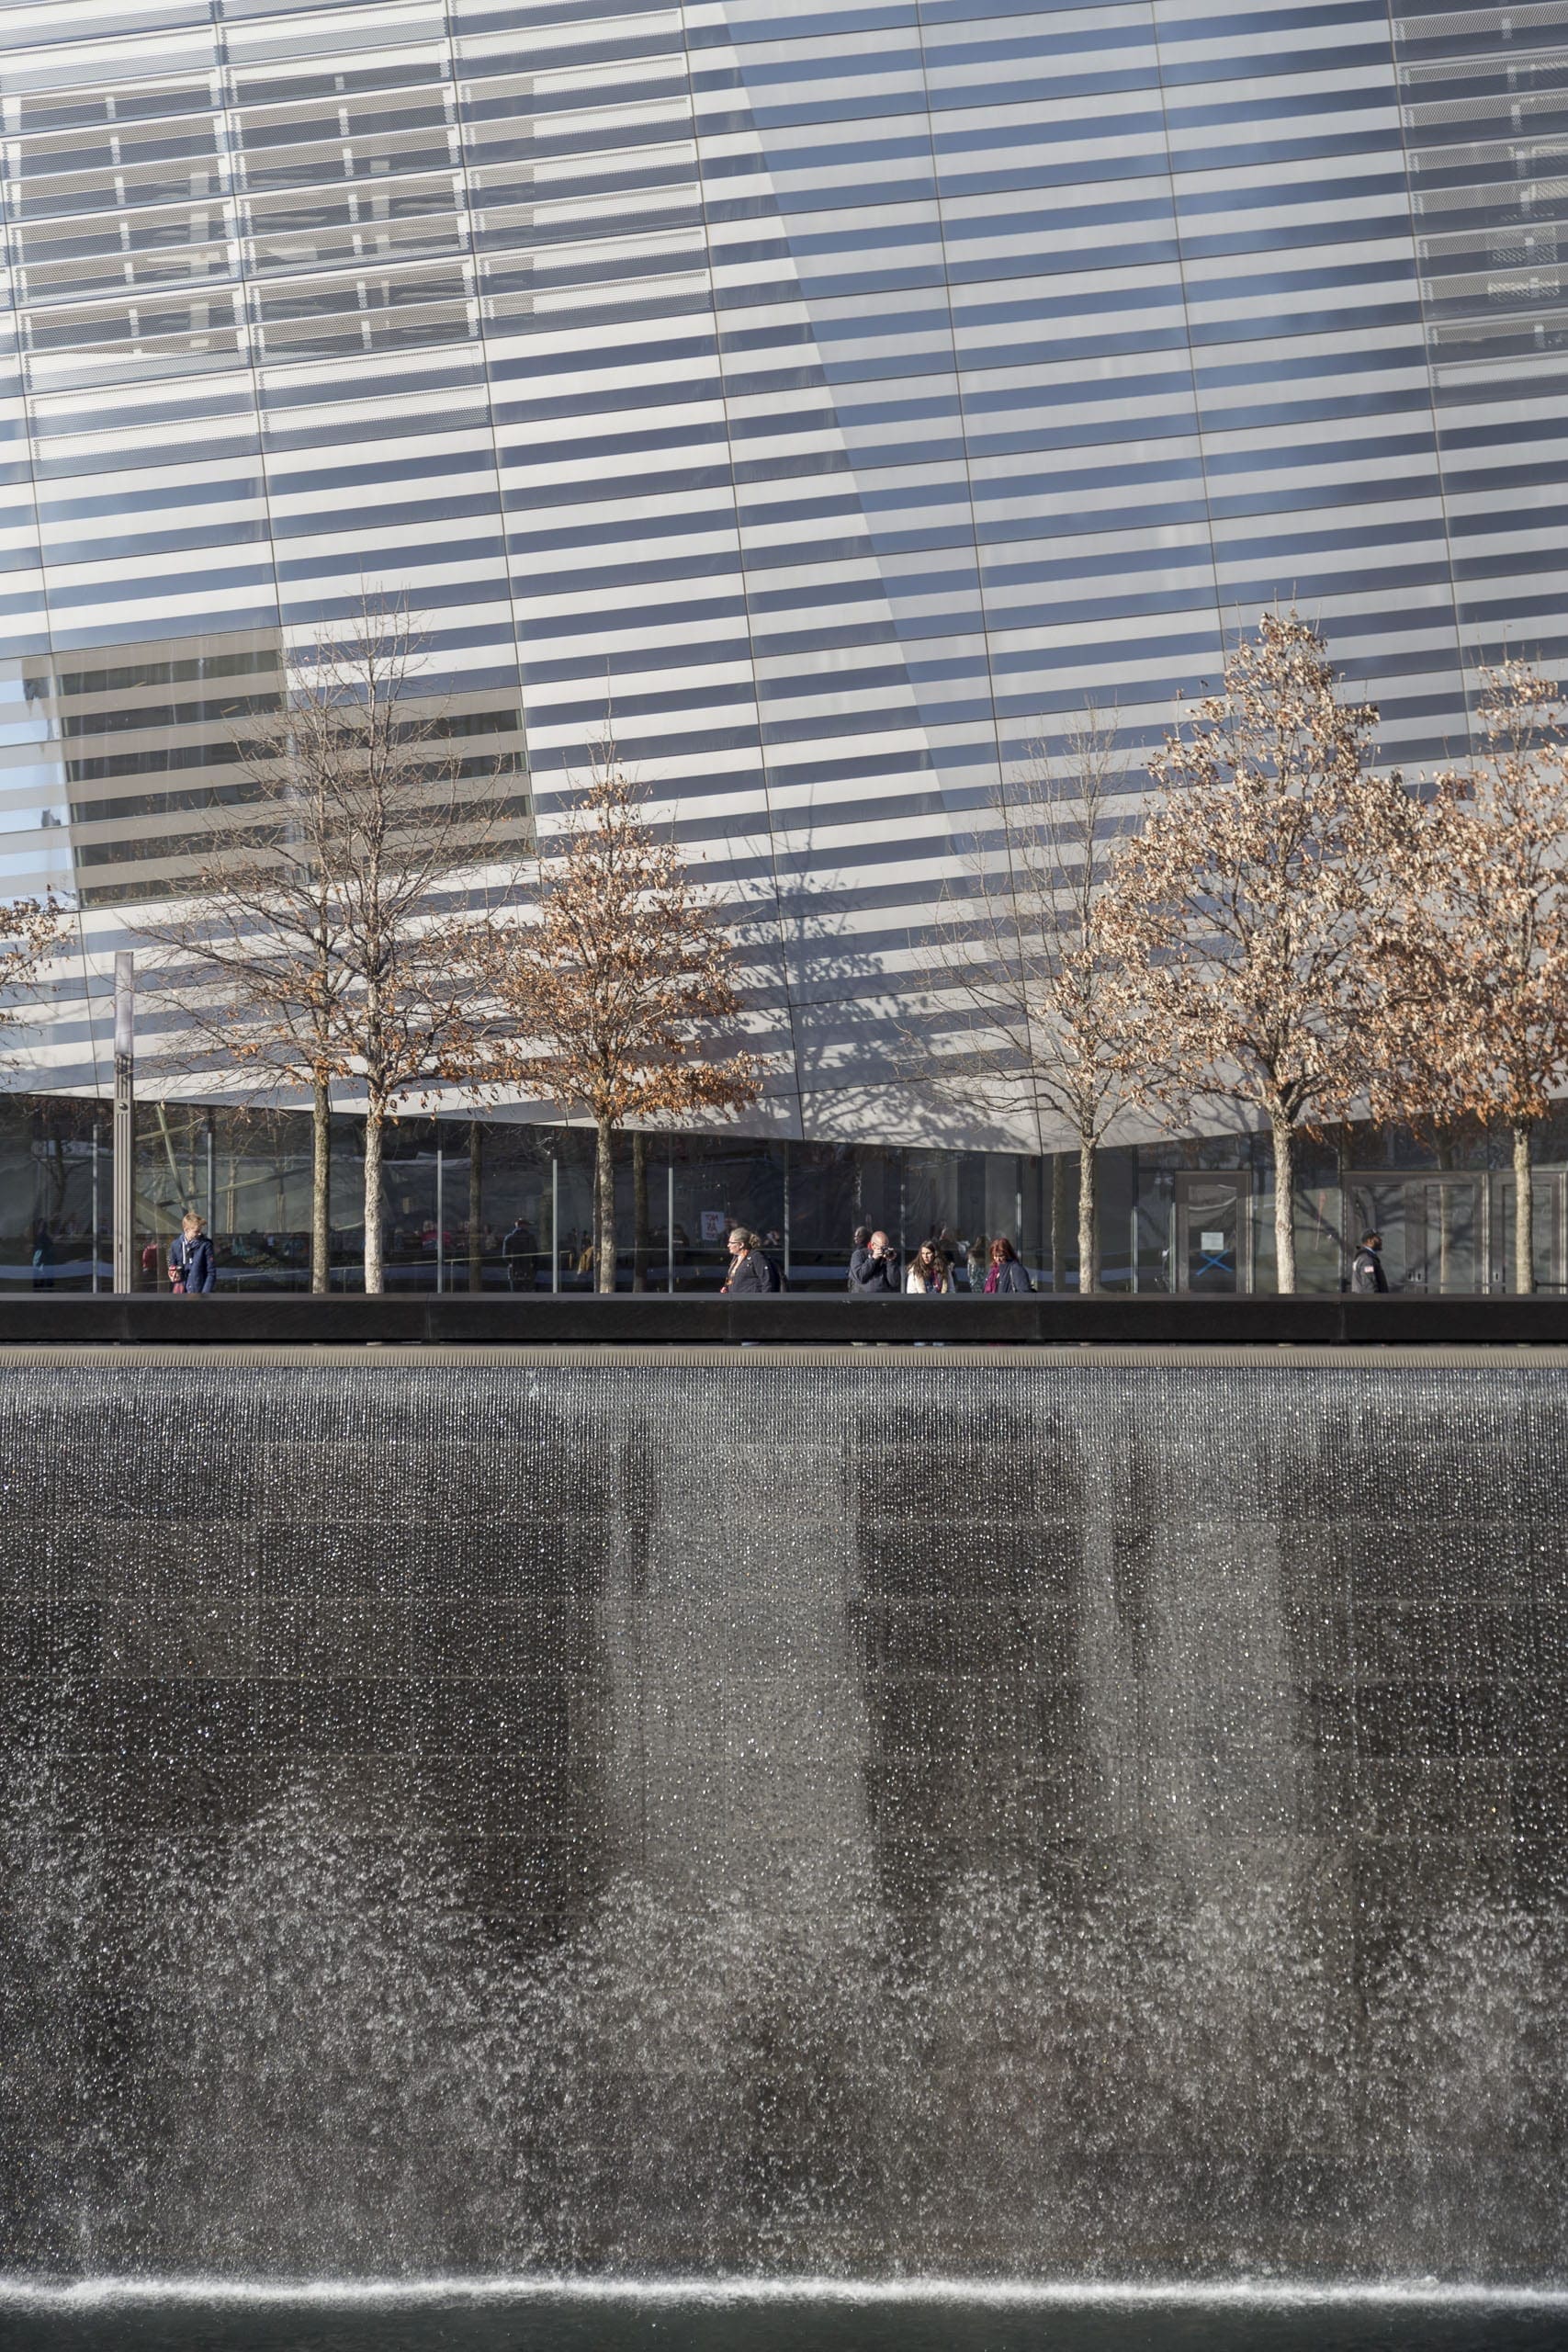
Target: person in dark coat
x,y
193,1263
876,1275
517,1249
748,1276
1367,1274
1007,1273
859,1252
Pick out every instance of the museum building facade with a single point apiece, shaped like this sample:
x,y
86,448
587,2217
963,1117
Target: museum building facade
x,y
834,400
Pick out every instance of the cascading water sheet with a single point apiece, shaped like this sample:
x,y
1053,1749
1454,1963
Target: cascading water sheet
x,y
1015,1816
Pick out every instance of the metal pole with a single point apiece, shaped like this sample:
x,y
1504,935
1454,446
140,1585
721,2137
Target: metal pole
x,y
440,1207
97,1218
1249,1216
786,1208
211,1177
554,1223
670,1226
1132,1236
1045,1228
124,1115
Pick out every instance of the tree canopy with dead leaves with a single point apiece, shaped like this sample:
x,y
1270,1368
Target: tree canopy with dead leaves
x,y
612,999
1475,975
1243,912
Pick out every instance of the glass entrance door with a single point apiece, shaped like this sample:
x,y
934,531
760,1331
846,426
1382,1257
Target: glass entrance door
x,y
1210,1231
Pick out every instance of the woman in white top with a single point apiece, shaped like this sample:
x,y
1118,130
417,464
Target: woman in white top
x,y
928,1272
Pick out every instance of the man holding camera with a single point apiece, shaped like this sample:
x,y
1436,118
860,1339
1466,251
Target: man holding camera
x,y
877,1272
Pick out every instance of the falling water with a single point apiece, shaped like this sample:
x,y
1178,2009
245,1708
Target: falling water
x,y
1003,1817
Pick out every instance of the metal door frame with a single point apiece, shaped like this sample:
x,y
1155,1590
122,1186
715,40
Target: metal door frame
x,y
1240,1180
1380,1178
1498,1214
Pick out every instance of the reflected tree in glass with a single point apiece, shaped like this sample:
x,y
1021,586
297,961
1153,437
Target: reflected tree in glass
x,y
1020,958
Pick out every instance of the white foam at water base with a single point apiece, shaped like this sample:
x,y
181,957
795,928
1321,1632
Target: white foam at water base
x,y
1065,2294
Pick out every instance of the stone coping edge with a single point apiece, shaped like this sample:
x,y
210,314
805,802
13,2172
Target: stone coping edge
x,y
406,1356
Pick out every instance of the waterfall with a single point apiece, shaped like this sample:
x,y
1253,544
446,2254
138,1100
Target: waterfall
x,y
737,1723
1009,1815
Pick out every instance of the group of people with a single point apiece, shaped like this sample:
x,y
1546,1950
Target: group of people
x,y
875,1268
995,1267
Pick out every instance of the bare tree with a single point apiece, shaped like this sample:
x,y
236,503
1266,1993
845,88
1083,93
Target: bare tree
x,y
30,937
252,971
607,998
323,942
1017,949
1244,911
1475,978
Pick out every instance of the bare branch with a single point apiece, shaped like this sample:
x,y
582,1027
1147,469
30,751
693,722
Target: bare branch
x,y
1018,952
30,933
325,941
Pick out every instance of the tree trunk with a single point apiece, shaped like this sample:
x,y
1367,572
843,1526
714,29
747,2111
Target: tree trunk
x,y
320,1189
604,1208
1284,1138
640,1211
476,1206
1347,1244
1058,1218
1445,1213
1089,1219
1524,1211
373,1119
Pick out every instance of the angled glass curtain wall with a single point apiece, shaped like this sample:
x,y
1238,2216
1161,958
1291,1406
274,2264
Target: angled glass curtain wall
x,y
831,402
502,1206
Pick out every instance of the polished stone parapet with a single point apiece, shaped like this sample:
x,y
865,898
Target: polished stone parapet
x,y
579,1318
